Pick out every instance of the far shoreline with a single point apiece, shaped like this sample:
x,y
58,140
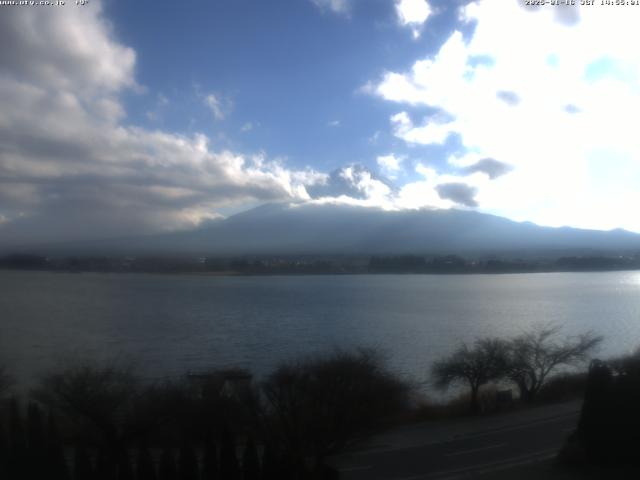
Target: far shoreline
x,y
312,274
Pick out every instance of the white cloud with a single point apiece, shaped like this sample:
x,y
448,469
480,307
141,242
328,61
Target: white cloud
x,y
372,189
247,127
432,81
334,123
431,190
356,185
82,61
560,110
352,184
390,165
413,13
215,105
429,133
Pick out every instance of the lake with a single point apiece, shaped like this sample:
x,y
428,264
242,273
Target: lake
x,y
169,324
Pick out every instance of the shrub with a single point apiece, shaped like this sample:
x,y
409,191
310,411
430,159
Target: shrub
x,y
317,406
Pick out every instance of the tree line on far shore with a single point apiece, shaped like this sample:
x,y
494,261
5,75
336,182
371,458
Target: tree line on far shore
x,y
104,422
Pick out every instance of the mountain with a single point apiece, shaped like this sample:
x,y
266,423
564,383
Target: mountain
x,y
333,229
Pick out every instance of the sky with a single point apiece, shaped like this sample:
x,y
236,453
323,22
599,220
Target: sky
x,y
122,118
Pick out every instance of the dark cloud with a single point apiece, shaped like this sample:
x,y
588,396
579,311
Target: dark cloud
x,y
510,98
458,192
493,168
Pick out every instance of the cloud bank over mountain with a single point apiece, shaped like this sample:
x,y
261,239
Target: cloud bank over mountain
x,y
326,229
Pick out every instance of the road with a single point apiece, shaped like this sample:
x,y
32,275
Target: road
x,y
471,448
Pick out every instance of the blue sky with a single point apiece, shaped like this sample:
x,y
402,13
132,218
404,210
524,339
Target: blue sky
x,y
124,118
288,76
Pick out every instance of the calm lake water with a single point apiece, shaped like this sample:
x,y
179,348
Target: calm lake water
x,y
170,324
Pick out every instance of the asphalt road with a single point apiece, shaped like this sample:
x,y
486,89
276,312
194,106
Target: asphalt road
x,y
484,446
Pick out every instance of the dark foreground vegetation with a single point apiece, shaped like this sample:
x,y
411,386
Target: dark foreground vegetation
x,y
321,264
608,432
104,422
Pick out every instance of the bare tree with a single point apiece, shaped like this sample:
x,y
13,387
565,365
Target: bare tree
x,y
477,365
534,355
